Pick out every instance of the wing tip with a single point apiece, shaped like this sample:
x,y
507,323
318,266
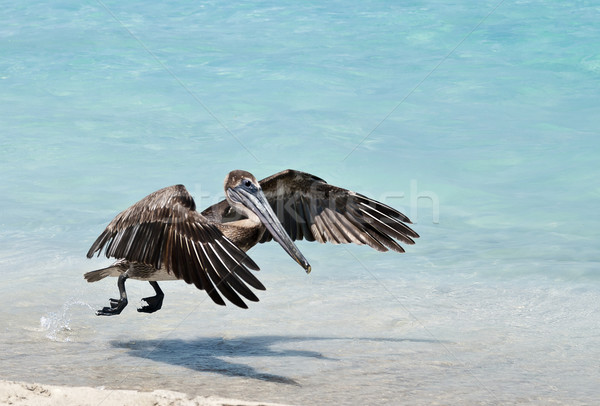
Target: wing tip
x,y
242,305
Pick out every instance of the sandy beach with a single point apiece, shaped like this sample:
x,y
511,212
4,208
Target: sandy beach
x,y
32,394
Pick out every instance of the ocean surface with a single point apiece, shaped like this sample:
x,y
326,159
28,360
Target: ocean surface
x,y
479,120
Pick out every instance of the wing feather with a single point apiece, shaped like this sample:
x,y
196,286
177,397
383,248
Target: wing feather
x,y
218,275
242,271
309,208
164,230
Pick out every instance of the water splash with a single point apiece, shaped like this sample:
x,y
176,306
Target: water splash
x,y
58,324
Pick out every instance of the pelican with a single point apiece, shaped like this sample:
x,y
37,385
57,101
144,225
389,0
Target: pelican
x,y
163,237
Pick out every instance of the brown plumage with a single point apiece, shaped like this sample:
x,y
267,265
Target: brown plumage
x,y
309,208
163,237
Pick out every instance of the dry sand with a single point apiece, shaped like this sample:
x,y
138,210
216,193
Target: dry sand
x,y
31,394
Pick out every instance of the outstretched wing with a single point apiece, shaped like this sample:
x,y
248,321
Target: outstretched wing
x,y
309,208
165,230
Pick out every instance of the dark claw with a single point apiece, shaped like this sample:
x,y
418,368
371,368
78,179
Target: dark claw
x,y
116,307
154,304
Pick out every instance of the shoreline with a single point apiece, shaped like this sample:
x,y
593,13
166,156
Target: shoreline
x,y
34,394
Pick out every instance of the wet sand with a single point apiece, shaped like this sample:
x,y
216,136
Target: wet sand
x,y
32,394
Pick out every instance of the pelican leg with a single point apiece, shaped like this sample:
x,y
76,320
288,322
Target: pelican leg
x,y
116,306
154,302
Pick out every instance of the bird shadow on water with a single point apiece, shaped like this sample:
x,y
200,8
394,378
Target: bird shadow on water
x,y
209,354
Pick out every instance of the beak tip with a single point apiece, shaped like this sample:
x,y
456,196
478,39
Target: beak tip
x,y
308,269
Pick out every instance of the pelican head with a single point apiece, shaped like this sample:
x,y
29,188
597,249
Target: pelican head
x,y
246,197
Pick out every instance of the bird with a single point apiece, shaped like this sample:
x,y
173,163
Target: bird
x,y
162,237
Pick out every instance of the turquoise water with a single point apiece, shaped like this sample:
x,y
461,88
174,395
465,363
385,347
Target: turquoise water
x,y
478,120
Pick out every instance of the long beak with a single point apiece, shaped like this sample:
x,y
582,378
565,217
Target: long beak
x,y
257,202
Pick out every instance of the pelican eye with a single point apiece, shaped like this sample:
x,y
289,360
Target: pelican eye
x,y
247,183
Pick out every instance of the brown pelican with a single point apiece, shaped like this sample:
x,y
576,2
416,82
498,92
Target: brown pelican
x,y
163,237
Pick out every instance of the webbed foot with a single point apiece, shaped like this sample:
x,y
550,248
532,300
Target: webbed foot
x,y
116,307
154,303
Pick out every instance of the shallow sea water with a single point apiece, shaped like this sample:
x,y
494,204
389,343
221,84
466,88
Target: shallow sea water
x,y
479,121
